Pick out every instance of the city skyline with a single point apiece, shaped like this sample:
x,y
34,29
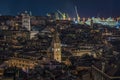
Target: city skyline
x,y
76,40
102,8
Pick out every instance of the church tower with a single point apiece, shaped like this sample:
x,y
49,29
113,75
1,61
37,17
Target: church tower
x,y
57,47
26,21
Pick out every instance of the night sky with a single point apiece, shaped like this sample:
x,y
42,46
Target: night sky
x,y
86,8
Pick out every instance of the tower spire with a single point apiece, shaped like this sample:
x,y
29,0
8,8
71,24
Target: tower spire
x,y
57,46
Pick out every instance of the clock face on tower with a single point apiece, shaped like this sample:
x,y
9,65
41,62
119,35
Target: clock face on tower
x,y
58,49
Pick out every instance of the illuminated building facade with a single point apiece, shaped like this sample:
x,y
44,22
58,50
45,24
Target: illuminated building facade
x,y
26,21
23,62
57,47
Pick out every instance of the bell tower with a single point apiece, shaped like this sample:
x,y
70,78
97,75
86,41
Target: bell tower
x,y
57,46
26,21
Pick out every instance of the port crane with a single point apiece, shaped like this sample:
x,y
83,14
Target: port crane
x,y
62,14
77,15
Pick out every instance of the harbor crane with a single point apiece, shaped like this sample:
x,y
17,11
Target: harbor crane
x,y
62,14
77,15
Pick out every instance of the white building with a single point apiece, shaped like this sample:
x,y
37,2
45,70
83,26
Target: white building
x,y
26,21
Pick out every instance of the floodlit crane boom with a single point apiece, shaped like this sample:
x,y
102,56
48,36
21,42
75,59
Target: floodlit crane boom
x,y
62,14
78,18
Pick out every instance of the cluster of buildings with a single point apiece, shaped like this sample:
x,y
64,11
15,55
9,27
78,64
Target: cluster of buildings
x,y
45,48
